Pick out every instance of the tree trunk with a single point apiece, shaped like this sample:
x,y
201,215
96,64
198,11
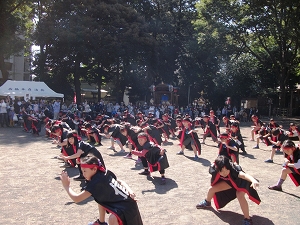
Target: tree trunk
x,y
282,94
42,63
77,82
3,70
99,84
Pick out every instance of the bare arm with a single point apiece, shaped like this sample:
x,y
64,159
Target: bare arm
x,y
131,193
74,156
76,197
245,176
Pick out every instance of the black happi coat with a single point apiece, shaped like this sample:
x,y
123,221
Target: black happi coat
x,y
115,132
223,150
222,198
132,137
85,147
151,152
89,149
129,119
209,128
280,137
154,134
186,138
114,197
295,176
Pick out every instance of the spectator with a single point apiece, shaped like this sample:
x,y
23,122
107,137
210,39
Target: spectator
x,y
56,108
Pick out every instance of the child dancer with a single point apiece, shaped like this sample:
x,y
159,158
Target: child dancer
x,y
229,182
111,194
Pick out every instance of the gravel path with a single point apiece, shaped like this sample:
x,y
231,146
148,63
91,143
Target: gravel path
x,y
31,192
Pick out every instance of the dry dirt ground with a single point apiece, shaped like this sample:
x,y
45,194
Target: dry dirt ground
x,y
31,192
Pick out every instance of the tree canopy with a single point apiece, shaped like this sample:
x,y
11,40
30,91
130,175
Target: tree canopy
x,y
237,48
267,30
15,27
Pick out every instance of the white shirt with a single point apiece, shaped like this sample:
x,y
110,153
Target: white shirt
x,y
297,164
3,107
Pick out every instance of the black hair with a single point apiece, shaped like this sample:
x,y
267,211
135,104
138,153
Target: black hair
x,y
73,134
275,131
288,144
222,161
87,125
155,120
57,127
90,159
143,135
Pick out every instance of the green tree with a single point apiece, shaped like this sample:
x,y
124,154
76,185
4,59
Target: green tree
x,y
265,29
96,40
15,25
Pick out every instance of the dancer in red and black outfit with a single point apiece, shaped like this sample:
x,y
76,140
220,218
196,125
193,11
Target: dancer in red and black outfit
x,y
228,148
209,128
226,122
154,154
263,135
228,182
236,135
189,139
75,149
256,127
131,134
214,119
291,165
113,132
294,132
276,140
111,194
92,134
153,132
128,118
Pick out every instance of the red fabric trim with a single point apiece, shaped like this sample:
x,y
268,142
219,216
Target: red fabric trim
x,y
216,179
182,136
198,150
216,202
151,167
118,218
243,190
291,175
66,154
293,179
132,142
211,133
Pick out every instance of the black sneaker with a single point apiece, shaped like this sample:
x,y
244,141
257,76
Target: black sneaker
x,y
203,204
163,181
247,222
275,188
269,161
79,178
66,165
145,173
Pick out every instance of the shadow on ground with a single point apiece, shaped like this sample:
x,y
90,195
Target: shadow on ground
x,y
232,218
158,187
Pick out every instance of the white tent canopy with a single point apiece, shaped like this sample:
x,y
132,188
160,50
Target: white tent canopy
x,y
28,89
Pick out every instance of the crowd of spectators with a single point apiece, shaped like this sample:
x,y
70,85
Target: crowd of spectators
x,y
11,110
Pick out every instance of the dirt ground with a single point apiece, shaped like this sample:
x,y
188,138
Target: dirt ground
x,y
31,192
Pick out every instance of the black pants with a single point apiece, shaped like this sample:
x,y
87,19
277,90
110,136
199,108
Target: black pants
x,y
4,119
